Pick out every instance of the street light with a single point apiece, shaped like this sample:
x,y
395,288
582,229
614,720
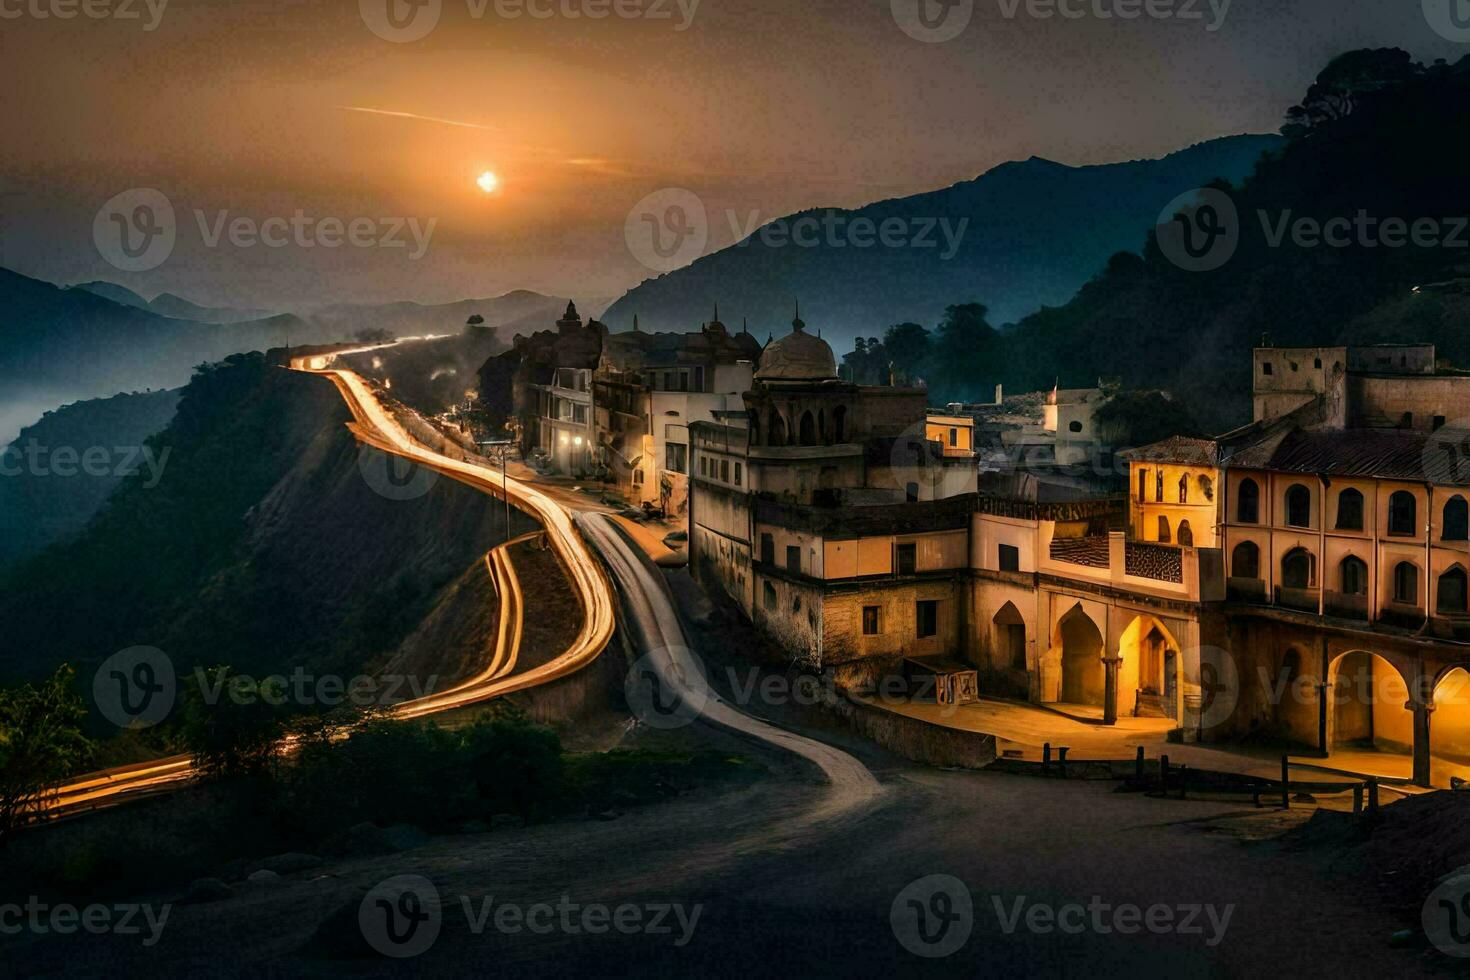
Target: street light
x,y
500,450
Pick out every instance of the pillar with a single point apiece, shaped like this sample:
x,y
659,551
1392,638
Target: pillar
x,y
1422,710
1110,689
1323,749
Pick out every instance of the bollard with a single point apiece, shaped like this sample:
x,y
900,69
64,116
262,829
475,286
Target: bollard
x,y
1373,796
1183,779
1138,765
1046,758
1062,759
1285,784
1164,773
1358,798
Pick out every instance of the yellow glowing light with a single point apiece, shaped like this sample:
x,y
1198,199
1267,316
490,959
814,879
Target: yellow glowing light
x,y
488,182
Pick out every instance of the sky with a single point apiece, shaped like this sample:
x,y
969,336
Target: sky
x,y
287,121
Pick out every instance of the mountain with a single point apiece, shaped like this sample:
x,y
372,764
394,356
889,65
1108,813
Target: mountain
x,y
1019,237
1376,136
515,312
60,471
167,304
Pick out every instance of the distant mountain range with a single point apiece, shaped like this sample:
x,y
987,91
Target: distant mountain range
x,y
519,311
1032,233
167,304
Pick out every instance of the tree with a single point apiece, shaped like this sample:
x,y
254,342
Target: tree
x,y
41,743
233,723
1344,83
966,350
908,347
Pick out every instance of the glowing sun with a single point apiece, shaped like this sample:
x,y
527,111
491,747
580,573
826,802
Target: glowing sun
x,y
488,182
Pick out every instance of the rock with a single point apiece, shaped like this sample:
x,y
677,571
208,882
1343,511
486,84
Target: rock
x,y
203,890
285,864
366,839
262,877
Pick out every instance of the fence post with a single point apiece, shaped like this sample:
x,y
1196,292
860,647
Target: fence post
x,y
1062,759
1046,758
1183,779
1164,773
1373,796
1138,765
1358,798
1285,783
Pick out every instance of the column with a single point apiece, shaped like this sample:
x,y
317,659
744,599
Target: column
x,y
1110,689
1422,710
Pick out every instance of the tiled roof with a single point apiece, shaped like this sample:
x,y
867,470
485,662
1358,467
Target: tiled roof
x,y
1393,454
1176,449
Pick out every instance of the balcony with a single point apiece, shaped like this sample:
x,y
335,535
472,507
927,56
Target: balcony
x,y
1403,615
1246,589
1346,605
1302,599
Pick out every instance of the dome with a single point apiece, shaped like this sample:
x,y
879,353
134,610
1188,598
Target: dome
x,y
798,356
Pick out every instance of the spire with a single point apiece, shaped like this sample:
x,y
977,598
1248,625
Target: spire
x,y
717,311
635,322
745,324
572,311
797,324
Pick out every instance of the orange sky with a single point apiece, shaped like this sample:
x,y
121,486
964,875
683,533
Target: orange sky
x,y
759,105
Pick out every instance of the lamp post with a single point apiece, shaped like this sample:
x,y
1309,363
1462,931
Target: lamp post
x,y
500,450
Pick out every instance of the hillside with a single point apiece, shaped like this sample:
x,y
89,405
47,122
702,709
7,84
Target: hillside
x,y
263,546
1033,232
515,312
45,497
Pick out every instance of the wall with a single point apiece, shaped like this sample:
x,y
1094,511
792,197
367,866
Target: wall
x,y
843,638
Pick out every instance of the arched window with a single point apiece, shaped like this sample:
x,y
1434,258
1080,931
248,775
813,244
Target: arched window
x,y
1403,513
755,429
1184,489
1142,485
1298,506
1248,502
1406,583
807,431
1298,569
1452,591
1207,487
1350,510
1245,561
1159,486
1186,534
1456,520
1354,573
1164,534
839,423
777,429
822,427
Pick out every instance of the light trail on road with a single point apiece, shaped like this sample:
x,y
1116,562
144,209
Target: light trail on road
x,y
373,425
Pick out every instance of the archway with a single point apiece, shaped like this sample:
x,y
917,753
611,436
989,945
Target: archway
x,y
1009,648
1449,728
1186,535
1082,650
1149,671
1367,710
807,433
1294,696
776,430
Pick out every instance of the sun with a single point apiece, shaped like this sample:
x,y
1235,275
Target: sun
x,y
488,182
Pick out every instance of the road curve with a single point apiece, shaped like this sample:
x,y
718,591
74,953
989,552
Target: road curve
x,y
651,615
374,425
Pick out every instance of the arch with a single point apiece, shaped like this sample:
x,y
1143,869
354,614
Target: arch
x,y
1406,583
839,424
1368,694
1186,534
755,428
1456,523
1010,638
807,429
1350,510
1245,561
1150,667
1449,729
1248,502
1082,648
1450,597
1164,534
1298,505
1298,569
1352,576
1294,699
776,430
1403,513
822,427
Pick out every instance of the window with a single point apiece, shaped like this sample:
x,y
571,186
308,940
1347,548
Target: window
x,y
907,562
1184,489
1164,535
768,597
1075,426
725,470
1248,504
911,492
1159,486
927,618
699,378
1452,591
954,437
1266,368
1456,520
1207,487
703,466
737,474
1406,583
1354,576
1186,535
870,621
839,423
675,457
768,549
1142,485
793,558
1299,569
1317,363
807,429
1402,513
1010,558
1298,506
1439,421
1245,561
1350,511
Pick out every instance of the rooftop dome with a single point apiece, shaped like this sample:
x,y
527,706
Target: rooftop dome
x,y
798,356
